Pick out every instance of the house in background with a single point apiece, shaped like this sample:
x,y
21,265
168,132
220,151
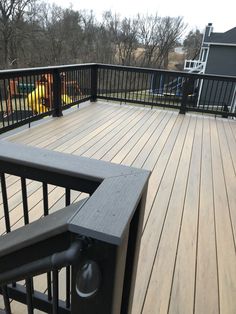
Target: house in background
x,y
218,53
217,57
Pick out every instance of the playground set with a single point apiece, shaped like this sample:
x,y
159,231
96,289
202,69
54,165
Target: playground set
x,y
37,97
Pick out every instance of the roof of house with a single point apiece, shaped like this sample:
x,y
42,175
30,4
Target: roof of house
x,y
228,37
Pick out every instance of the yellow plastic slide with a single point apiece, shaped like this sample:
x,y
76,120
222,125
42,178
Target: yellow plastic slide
x,y
65,99
36,99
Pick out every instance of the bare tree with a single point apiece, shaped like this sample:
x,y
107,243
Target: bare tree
x,y
159,35
35,33
192,44
123,36
11,14
72,35
149,38
128,42
88,44
170,30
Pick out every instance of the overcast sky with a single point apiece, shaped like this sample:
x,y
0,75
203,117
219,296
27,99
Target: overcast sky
x,y
196,14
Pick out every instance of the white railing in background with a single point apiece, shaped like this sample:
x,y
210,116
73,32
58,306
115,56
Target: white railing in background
x,y
196,66
233,104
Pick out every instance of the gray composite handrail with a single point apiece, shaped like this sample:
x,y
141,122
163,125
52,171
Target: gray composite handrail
x,y
116,190
39,230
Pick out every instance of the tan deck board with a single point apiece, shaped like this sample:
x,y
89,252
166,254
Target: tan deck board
x,y
138,160
104,135
231,142
169,201
139,137
226,254
182,294
187,261
110,149
150,239
233,126
61,124
147,137
206,295
100,133
160,163
229,175
100,140
68,138
82,138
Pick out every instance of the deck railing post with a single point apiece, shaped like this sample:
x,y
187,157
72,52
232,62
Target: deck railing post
x,y
105,264
225,111
112,271
133,251
94,83
184,97
188,89
56,97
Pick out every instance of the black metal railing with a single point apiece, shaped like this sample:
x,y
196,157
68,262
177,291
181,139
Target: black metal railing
x,y
29,94
178,90
92,244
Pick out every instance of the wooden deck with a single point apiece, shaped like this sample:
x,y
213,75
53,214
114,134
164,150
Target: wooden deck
x,y
187,261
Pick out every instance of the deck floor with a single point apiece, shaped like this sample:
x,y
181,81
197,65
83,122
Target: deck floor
x,y
187,262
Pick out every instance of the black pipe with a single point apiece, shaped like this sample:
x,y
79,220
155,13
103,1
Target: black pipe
x,y
55,261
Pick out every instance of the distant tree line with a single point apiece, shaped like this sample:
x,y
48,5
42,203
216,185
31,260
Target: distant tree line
x,y
35,33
